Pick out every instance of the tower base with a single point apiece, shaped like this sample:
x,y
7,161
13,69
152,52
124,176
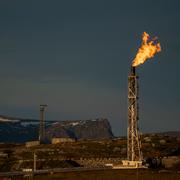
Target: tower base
x,y
126,164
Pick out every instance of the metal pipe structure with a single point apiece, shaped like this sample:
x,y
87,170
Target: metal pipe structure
x,y
133,139
42,123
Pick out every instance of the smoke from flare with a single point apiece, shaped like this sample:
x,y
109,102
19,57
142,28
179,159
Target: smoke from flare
x,y
147,50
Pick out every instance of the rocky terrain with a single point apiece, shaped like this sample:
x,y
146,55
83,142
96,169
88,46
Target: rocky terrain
x,y
160,152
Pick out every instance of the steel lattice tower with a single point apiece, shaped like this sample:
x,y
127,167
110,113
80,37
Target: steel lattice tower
x,y
42,124
133,140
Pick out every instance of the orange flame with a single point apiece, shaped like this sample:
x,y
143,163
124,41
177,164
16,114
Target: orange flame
x,y
147,50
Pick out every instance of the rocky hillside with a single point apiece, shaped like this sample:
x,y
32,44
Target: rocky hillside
x,y
81,129
21,130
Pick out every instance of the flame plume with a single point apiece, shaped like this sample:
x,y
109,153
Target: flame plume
x,y
147,50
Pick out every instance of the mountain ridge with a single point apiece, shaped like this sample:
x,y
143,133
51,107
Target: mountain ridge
x,y
21,130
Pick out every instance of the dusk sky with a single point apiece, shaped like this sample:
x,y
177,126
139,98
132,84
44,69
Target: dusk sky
x,y
75,56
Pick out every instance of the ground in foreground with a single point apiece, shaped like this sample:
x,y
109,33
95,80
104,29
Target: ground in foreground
x,y
109,175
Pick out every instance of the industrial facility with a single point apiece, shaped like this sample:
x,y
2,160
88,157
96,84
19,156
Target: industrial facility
x,y
134,155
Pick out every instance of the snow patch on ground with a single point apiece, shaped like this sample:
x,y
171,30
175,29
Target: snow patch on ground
x,y
74,123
